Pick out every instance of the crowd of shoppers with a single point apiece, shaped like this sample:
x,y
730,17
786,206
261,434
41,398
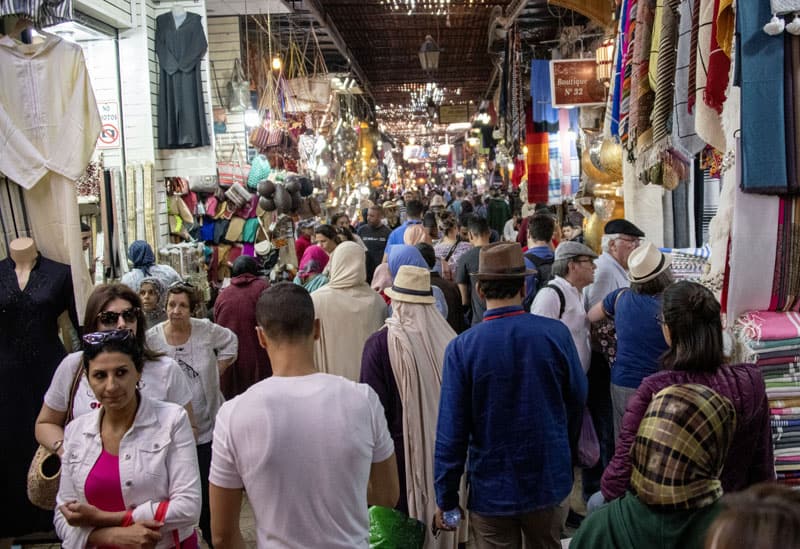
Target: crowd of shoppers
x,y
453,379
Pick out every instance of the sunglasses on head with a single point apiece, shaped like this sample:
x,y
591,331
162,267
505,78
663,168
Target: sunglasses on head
x,y
98,338
109,318
180,284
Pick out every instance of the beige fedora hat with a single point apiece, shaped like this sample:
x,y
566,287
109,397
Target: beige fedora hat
x,y
411,285
647,262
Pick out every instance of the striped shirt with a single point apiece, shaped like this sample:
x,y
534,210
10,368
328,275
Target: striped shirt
x,y
43,13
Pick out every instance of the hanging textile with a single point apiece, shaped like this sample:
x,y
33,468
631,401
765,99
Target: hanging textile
x,y
708,121
760,62
554,154
50,132
543,114
642,95
683,125
43,13
181,103
627,72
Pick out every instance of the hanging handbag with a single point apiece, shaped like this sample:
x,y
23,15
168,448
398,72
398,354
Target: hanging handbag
x,y
44,474
233,170
319,83
263,247
259,170
203,183
238,196
235,229
250,230
219,112
393,529
238,89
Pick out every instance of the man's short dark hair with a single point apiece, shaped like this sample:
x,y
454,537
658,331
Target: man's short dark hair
x,y
428,254
285,312
244,264
501,289
478,226
414,209
541,227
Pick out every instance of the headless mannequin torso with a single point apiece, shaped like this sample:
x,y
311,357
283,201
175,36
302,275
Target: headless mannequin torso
x,y
179,15
24,253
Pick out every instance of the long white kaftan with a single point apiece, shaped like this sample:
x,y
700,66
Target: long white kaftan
x,y
49,126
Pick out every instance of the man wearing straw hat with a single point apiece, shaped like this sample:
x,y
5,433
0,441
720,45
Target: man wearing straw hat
x,y
513,393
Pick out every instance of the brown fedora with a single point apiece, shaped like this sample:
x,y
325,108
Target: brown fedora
x,y
501,260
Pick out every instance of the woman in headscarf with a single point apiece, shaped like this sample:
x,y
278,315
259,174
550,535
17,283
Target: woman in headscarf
x,y
403,364
311,274
154,301
144,265
677,457
349,312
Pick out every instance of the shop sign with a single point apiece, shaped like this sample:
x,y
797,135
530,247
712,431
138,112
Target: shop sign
x,y
109,134
453,114
574,83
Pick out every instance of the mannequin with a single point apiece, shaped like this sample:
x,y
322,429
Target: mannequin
x,y
24,254
34,292
179,14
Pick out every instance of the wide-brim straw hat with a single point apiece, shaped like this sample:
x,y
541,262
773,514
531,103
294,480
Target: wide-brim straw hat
x,y
647,262
411,285
501,261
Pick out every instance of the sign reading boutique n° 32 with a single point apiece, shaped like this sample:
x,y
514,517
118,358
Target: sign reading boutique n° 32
x,y
574,83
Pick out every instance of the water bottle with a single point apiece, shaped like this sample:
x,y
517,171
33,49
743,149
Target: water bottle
x,y
452,517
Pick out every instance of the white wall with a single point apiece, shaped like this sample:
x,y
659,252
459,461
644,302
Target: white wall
x,y
224,47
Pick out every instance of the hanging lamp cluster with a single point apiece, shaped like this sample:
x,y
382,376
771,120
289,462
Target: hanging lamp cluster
x,y
432,7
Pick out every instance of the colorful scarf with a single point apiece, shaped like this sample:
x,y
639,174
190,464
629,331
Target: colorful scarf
x,y
681,447
313,262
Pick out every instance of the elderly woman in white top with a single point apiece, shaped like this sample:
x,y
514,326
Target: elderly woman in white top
x,y
204,351
129,472
110,307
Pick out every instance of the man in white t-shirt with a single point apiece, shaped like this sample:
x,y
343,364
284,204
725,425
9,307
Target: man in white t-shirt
x,y
312,450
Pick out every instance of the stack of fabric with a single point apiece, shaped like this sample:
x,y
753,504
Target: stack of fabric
x,y
772,340
689,263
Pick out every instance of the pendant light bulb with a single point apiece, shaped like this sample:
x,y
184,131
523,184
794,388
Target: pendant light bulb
x,y
276,63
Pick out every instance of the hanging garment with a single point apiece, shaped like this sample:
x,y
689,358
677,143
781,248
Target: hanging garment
x,y
684,134
760,63
43,13
711,78
30,350
49,133
181,106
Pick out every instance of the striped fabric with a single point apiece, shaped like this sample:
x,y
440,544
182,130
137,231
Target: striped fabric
x,y
627,73
684,133
665,71
681,446
43,13
641,94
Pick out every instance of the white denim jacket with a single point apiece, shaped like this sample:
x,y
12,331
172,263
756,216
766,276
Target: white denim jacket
x,y
157,461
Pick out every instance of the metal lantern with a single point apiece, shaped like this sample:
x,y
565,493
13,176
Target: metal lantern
x,y
429,54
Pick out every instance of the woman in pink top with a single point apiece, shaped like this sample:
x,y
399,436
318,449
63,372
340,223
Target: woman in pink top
x,y
129,469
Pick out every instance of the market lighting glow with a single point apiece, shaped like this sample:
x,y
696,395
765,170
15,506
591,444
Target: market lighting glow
x,y
322,170
276,63
251,118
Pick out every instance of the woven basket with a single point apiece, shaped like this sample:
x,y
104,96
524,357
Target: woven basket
x,y
44,476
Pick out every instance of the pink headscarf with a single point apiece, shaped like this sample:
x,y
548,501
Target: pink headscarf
x,y
313,262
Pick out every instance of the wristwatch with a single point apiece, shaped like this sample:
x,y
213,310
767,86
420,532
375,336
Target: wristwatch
x,y
57,445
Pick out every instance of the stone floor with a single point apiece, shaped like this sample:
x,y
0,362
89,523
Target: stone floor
x,y
248,523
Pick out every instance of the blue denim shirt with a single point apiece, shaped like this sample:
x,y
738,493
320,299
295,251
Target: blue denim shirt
x,y
513,394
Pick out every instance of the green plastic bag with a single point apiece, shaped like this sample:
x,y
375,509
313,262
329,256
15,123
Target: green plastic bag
x,y
391,529
259,169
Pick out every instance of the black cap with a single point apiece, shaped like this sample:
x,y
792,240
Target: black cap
x,y
623,226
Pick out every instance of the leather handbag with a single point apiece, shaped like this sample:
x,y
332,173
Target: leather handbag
x,y
203,183
238,196
238,89
44,474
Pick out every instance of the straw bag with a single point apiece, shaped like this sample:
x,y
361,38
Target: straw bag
x,y
238,89
319,83
44,474
233,170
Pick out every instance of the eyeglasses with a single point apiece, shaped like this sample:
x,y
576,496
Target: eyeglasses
x,y
636,241
110,318
660,319
584,260
98,338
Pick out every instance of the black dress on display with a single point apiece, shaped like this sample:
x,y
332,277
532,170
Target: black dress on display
x,y
30,351
181,107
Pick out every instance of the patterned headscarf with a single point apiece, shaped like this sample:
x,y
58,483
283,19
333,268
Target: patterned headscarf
x,y
313,262
681,447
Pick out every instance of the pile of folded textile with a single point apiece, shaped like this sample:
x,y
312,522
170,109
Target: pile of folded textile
x,y
772,340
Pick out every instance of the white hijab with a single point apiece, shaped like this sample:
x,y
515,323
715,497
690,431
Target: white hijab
x,y
349,312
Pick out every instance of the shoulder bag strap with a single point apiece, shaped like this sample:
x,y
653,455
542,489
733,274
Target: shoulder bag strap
x,y
453,249
216,83
616,301
562,301
73,390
